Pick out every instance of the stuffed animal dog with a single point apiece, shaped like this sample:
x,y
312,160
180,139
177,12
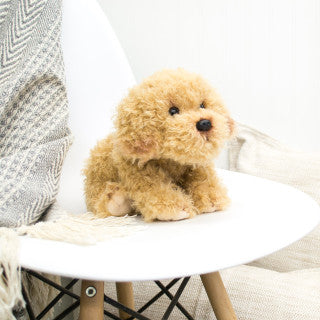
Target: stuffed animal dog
x,y
159,160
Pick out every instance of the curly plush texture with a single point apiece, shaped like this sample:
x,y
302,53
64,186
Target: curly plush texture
x,y
158,164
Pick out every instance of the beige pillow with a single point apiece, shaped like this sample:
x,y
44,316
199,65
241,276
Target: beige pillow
x,y
255,293
255,153
260,294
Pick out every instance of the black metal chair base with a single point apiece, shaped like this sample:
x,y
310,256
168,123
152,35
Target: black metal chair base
x,y
164,290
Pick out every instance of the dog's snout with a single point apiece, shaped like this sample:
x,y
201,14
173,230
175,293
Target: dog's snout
x,y
204,125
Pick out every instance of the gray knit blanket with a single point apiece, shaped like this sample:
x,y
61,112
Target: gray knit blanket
x,y
34,139
34,136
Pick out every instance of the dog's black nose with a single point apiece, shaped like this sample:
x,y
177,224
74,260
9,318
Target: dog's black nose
x,y
204,125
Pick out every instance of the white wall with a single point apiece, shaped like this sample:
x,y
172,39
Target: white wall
x,y
263,56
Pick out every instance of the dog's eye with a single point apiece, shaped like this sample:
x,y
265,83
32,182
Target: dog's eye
x,y
173,110
202,105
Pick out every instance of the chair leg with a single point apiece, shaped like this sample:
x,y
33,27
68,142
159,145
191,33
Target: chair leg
x,y
91,300
125,297
218,296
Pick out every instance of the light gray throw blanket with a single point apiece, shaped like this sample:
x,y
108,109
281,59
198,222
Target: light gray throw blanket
x,y
34,139
34,136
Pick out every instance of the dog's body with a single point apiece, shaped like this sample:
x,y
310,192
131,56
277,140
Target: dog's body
x,y
159,160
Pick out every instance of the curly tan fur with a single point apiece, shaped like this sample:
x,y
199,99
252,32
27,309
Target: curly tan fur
x,y
159,164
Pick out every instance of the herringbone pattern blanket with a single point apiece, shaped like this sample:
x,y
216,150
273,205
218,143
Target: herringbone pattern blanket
x,y
34,139
34,136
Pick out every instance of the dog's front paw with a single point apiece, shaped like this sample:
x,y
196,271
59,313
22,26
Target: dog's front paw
x,y
167,213
212,202
113,203
119,204
221,202
208,209
180,215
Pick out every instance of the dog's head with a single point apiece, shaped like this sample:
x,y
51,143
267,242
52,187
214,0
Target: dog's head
x,y
175,115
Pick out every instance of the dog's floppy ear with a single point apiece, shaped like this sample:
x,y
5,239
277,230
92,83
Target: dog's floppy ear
x,y
138,130
137,147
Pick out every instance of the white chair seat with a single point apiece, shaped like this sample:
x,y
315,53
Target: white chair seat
x,y
265,216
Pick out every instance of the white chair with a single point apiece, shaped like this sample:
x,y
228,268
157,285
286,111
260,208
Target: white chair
x,y
98,75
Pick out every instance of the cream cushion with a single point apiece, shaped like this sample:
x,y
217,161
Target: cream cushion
x,y
259,294
256,294
255,153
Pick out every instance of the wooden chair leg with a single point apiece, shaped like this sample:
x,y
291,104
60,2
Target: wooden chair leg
x,y
218,296
125,297
91,300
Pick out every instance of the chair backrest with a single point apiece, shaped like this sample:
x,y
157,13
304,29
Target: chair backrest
x,y
97,77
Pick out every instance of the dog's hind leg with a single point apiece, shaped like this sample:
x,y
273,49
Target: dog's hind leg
x,y
113,201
